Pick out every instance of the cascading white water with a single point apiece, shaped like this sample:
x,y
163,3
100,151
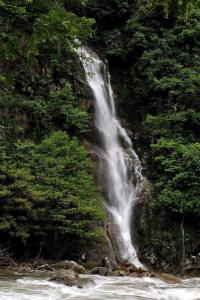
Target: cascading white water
x,y
14,286
119,164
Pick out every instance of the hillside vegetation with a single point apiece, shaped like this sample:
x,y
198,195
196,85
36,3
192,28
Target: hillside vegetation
x,y
49,200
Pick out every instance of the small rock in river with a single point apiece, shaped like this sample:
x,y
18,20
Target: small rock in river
x,y
70,278
169,278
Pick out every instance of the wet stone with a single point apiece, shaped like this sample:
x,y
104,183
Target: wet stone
x,y
70,278
102,271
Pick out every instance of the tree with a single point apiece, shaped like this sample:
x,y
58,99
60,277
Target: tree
x,y
44,198
64,111
48,196
178,8
177,176
37,60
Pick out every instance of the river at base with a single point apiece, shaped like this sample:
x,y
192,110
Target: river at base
x,y
37,287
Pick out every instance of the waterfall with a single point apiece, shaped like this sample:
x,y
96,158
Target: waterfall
x,y
119,166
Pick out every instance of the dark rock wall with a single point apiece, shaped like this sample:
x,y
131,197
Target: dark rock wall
x,y
166,241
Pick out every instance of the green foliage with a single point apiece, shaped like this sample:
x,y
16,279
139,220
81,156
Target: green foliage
x,y
47,190
183,125
48,196
15,204
63,175
174,163
177,175
164,55
37,58
64,112
180,8
59,29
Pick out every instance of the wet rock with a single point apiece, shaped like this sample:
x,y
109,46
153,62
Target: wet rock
x,y
107,263
192,264
130,269
70,265
122,273
85,282
169,278
71,278
98,249
24,269
102,271
143,274
45,267
114,235
119,273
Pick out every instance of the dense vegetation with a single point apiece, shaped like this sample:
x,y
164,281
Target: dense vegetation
x,y
47,190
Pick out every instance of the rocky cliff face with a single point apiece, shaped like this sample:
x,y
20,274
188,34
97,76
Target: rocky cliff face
x,y
165,240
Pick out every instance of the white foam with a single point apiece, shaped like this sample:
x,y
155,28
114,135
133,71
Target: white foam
x,y
109,288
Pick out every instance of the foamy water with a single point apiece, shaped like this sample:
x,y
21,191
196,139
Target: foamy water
x,y
109,288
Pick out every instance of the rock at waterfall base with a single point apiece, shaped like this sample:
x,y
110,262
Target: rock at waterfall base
x,y
102,271
128,269
70,265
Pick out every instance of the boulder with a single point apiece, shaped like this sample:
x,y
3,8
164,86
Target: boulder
x,y
128,269
122,273
70,265
70,278
102,271
107,263
45,267
24,269
169,278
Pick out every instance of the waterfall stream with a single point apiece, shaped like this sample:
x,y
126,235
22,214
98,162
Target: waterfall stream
x,y
119,166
